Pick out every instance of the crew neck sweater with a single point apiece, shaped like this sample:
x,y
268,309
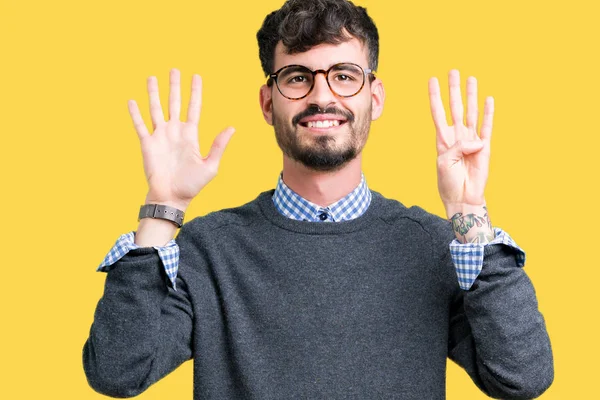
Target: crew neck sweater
x,y
274,308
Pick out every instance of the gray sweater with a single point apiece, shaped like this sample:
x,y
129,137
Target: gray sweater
x,y
272,308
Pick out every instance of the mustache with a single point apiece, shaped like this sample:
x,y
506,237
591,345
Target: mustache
x,y
316,110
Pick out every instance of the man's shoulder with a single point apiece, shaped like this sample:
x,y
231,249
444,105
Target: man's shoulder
x,y
243,215
394,212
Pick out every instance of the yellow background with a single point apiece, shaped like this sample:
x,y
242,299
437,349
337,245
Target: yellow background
x,y
72,178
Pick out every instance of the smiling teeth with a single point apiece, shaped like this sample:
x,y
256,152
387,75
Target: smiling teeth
x,y
323,124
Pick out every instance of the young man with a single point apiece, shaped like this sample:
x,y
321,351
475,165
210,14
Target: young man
x,y
320,288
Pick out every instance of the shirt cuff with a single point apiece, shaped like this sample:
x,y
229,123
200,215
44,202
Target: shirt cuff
x,y
468,257
168,254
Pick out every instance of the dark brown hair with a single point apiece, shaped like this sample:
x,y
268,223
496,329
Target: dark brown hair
x,y
302,24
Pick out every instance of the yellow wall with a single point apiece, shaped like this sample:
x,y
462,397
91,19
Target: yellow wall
x,y
72,177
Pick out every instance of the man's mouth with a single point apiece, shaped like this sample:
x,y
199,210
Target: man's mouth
x,y
322,124
317,120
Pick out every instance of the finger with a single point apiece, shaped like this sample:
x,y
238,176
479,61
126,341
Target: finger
x,y
193,114
218,146
136,117
437,107
174,95
472,110
488,119
156,112
456,105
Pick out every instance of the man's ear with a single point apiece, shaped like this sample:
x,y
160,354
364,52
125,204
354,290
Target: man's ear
x,y
266,103
378,96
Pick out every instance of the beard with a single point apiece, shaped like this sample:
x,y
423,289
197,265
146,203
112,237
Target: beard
x,y
322,152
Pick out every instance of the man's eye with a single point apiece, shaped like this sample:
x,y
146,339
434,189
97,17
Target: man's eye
x,y
344,78
297,79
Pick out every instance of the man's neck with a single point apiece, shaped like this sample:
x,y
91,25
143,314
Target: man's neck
x,y
322,188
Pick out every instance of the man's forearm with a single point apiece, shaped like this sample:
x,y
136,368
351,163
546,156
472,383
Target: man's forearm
x,y
471,223
141,330
154,232
509,354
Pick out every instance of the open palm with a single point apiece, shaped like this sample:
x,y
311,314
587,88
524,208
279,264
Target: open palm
x,y
463,154
174,168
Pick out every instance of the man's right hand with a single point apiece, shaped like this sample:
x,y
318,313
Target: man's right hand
x,y
174,168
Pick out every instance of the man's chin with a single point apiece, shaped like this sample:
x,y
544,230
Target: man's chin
x,y
324,161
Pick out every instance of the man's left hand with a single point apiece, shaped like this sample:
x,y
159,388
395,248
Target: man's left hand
x,y
463,153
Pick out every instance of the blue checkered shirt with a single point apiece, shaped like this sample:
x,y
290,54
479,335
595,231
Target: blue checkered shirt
x,y
294,206
467,257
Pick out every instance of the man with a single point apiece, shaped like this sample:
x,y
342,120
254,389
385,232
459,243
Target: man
x,y
320,288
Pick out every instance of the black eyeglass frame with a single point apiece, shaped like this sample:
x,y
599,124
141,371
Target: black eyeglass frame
x,y
274,76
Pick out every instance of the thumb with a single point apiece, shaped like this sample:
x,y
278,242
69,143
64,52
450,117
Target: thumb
x,y
464,147
219,145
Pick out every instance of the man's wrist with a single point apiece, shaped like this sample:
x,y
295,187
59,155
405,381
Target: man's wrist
x,y
471,223
156,231
180,205
162,211
464,208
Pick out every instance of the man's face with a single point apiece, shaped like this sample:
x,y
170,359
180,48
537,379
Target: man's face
x,y
343,123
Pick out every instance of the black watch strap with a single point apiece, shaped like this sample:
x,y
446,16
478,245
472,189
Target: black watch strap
x,y
163,212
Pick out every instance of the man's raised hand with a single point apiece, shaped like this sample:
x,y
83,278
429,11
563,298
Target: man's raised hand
x,y
463,153
174,168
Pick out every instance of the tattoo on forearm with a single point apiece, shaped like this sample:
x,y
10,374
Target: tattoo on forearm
x,y
463,223
482,237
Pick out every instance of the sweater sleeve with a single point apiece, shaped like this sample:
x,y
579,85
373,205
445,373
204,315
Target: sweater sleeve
x,y
142,326
497,333
169,255
468,257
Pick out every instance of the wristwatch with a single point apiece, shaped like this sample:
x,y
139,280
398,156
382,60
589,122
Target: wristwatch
x,y
162,212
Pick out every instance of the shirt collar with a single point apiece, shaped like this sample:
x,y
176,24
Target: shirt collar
x,y
294,206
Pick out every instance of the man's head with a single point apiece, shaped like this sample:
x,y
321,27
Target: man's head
x,y
319,35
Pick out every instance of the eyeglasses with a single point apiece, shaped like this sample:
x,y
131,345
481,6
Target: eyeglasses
x,y
295,82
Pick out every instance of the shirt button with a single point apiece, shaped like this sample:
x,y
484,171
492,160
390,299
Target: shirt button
x,y
323,216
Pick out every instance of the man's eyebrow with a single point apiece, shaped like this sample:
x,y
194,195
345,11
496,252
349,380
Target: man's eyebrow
x,y
295,67
344,65
291,67
298,66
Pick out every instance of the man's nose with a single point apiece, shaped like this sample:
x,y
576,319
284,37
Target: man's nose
x,y
321,94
